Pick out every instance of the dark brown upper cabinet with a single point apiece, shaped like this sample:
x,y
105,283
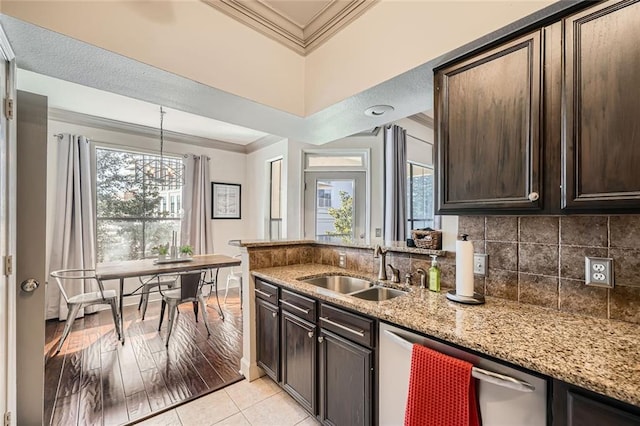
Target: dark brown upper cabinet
x,y
546,123
601,140
488,130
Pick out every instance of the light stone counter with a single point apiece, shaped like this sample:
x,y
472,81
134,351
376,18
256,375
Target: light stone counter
x,y
597,354
393,246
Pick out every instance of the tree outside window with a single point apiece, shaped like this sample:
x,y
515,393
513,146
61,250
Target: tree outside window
x,y
342,217
132,210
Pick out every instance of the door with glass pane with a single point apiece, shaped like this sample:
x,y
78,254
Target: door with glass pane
x,y
335,205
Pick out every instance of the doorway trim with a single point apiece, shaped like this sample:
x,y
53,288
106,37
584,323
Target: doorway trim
x,y
8,197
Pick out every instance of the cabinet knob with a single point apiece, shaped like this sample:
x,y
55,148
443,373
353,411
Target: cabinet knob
x,y
534,196
320,339
274,314
310,334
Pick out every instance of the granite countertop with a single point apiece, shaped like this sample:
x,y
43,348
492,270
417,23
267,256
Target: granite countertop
x,y
394,246
597,354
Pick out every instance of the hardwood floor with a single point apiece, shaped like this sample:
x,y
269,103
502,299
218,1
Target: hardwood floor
x,y
97,380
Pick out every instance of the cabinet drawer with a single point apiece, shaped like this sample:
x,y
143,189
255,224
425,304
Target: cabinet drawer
x,y
298,305
354,327
266,291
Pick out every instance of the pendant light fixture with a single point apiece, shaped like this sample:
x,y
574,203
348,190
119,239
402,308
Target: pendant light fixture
x,y
167,173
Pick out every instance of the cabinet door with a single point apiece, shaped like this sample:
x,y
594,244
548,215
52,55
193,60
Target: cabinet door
x,y
268,338
488,130
345,381
601,150
299,360
573,406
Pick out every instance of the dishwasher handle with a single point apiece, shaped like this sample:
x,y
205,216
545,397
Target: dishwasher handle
x,y
478,373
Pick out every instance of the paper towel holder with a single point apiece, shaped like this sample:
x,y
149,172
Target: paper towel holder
x,y
476,299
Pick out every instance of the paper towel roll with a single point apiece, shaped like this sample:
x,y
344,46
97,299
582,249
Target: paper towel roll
x,y
464,268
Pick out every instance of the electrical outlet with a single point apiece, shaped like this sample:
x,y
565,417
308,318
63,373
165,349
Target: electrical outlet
x,y
598,271
480,264
342,260
378,232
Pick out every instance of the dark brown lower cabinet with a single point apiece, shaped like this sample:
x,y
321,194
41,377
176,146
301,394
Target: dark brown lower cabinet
x,y
574,406
299,360
346,377
268,338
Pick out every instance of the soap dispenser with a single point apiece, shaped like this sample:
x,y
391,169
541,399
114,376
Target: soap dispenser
x,y
434,274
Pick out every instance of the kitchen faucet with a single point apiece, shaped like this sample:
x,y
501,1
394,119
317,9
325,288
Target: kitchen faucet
x,y
395,273
379,252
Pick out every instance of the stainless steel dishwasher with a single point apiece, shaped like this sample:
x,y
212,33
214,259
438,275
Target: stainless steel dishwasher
x,y
507,397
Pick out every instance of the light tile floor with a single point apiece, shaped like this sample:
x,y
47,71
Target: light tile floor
x,y
257,403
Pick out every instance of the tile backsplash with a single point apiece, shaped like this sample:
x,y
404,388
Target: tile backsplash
x,y
537,260
540,260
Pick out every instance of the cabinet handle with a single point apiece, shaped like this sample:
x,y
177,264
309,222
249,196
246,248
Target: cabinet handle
x,y
310,334
345,328
264,293
320,339
291,305
274,314
534,196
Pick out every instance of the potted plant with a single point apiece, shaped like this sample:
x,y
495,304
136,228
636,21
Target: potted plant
x,y
162,250
186,251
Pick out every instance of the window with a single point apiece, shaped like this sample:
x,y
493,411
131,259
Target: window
x,y
324,198
336,194
134,211
335,160
419,196
275,204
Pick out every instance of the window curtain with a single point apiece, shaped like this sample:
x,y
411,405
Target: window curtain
x,y
395,183
73,238
196,227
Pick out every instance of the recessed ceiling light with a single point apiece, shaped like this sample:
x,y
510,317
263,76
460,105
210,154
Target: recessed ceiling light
x,y
378,110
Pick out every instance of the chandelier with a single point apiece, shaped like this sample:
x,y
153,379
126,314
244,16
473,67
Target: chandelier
x,y
167,173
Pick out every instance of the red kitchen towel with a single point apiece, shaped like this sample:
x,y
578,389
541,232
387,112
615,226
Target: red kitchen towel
x,y
441,391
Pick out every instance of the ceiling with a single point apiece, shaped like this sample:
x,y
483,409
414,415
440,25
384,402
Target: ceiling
x,y
301,25
62,57
67,96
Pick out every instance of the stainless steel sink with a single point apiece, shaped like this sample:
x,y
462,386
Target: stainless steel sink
x,y
340,283
378,294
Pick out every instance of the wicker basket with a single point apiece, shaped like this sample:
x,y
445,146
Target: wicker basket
x,y
427,239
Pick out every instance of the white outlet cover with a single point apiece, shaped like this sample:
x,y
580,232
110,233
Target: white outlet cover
x,y
480,264
598,271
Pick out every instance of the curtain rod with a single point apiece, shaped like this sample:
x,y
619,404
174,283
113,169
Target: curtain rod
x,y
195,155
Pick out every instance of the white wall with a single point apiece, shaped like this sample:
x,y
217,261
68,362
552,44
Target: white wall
x,y
188,38
258,189
395,36
292,152
228,167
192,39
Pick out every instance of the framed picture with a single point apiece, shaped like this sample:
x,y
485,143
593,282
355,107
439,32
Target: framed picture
x,y
225,200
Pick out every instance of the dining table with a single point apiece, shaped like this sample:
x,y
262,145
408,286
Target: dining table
x,y
121,270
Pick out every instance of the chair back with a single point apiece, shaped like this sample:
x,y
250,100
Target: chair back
x,y
75,274
190,284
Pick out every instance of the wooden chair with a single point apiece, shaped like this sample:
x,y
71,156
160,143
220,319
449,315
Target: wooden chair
x,y
77,302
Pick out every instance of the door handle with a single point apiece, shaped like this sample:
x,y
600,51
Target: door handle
x,y
29,285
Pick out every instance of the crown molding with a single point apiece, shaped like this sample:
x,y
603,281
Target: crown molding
x,y
423,119
370,132
81,119
263,142
278,27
